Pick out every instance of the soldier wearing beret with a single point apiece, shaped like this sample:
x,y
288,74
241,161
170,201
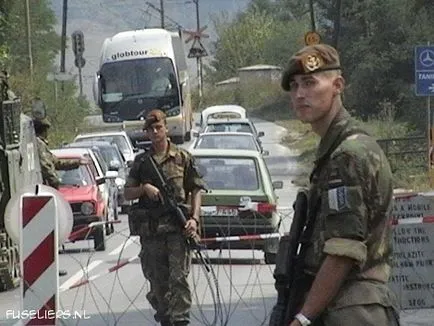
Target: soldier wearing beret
x,y
165,256
346,261
50,163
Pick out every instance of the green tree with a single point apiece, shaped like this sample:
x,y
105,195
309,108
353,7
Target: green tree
x,y
255,37
65,110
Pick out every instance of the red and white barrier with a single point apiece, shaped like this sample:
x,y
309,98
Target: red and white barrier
x,y
414,220
87,229
112,269
38,246
248,237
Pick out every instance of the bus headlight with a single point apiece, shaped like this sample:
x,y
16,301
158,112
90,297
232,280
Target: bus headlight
x,y
87,208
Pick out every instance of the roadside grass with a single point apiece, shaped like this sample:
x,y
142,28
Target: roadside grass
x,y
407,173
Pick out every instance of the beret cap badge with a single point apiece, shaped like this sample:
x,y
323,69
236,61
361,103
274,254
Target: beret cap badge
x,y
312,62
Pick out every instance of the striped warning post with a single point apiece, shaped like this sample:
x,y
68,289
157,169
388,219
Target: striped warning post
x,y
38,239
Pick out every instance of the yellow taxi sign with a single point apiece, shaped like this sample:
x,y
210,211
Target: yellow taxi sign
x,y
311,38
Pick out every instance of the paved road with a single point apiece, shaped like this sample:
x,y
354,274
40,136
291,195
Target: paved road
x,y
239,291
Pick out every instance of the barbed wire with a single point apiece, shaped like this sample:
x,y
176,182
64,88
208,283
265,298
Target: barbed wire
x,y
217,296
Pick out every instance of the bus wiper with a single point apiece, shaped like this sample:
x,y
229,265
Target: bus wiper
x,y
126,97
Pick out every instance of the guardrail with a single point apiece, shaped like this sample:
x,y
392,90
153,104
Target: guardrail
x,y
406,152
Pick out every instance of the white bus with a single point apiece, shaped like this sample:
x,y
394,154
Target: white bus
x,y
143,70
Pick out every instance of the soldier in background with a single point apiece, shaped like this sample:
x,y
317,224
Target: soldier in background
x,y
346,260
49,162
165,256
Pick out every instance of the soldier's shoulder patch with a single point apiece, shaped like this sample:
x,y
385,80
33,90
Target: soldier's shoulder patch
x,y
338,198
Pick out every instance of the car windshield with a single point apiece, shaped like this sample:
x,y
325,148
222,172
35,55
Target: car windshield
x,y
75,177
229,173
119,140
229,127
227,141
149,77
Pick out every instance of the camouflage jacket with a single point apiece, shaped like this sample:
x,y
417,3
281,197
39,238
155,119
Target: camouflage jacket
x,y
179,169
50,163
350,196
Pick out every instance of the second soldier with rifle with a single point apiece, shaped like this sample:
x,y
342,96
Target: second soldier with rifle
x,y
165,255
339,249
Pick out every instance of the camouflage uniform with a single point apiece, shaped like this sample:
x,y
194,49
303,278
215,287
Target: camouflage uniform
x,y
50,163
165,257
349,198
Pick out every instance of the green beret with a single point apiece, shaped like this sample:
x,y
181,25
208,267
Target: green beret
x,y
153,117
310,59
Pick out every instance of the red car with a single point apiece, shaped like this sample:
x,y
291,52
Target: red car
x,y
80,188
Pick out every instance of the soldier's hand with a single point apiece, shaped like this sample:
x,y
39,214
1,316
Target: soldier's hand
x,y
84,161
295,322
191,227
152,192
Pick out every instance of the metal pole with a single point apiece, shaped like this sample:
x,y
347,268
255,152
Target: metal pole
x,y
428,113
63,39
80,80
312,16
162,13
29,41
198,59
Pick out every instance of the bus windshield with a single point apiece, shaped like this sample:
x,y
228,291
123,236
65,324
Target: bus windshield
x,y
130,89
145,78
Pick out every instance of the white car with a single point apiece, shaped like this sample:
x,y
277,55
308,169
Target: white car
x,y
228,140
221,111
120,138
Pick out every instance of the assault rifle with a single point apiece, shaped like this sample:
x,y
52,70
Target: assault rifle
x,y
289,266
179,211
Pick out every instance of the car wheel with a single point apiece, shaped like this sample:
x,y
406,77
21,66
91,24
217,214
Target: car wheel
x,y
99,239
270,258
108,226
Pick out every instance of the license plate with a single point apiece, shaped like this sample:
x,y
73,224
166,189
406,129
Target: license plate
x,y
227,211
219,211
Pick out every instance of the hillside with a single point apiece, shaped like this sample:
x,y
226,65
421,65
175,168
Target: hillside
x,y
99,19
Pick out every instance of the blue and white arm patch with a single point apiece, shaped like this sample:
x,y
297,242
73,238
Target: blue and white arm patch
x,y
338,198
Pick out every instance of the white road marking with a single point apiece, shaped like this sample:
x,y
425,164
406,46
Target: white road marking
x,y
79,275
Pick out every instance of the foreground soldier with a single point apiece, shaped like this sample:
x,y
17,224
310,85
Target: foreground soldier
x,y
346,265
165,256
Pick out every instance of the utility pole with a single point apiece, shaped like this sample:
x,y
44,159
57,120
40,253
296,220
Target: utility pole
x,y
198,59
312,16
162,13
63,39
29,41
